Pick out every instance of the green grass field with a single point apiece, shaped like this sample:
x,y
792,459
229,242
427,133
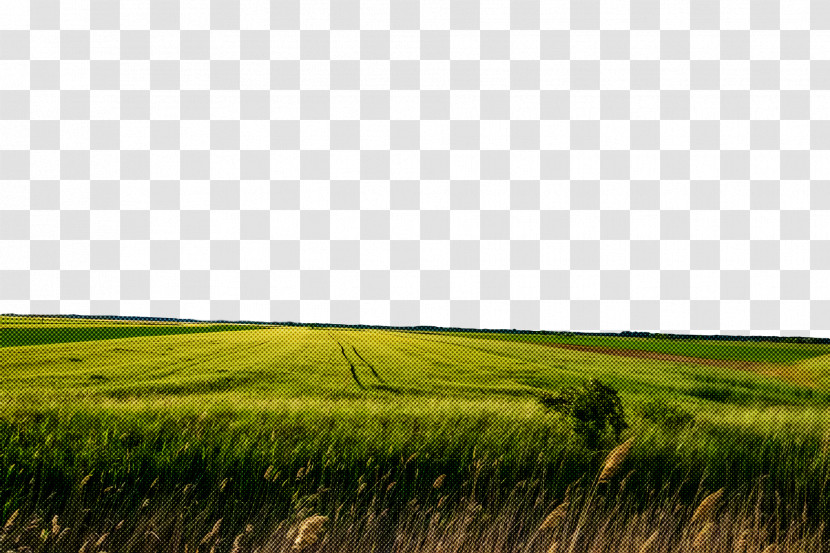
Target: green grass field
x,y
407,442
34,331
762,352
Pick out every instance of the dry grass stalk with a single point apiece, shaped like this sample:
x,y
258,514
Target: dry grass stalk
x,y
10,522
650,545
34,524
439,481
707,506
212,534
85,481
243,541
556,516
615,460
56,528
309,531
703,536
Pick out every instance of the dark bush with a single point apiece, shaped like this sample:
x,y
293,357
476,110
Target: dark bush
x,y
594,409
710,392
661,412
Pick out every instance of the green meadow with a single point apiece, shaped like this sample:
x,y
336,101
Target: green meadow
x,y
234,440
34,331
758,351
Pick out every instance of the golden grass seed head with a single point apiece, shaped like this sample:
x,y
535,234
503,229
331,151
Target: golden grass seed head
x,y
615,460
10,522
439,481
85,481
703,536
707,506
650,545
556,516
309,531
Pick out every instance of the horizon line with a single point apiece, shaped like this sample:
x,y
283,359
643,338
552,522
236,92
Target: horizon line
x,y
542,332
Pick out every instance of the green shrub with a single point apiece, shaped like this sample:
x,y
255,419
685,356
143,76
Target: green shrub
x,y
663,413
710,392
594,409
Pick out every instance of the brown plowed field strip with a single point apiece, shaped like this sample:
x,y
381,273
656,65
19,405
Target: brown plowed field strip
x,y
791,373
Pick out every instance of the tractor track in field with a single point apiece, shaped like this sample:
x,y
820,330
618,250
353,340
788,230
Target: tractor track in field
x,y
382,384
351,367
371,367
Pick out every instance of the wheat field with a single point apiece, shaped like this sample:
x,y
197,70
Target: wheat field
x,y
275,439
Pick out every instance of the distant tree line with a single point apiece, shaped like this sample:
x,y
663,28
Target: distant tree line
x,y
429,328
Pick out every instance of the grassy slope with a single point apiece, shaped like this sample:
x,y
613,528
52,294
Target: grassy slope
x,y
764,352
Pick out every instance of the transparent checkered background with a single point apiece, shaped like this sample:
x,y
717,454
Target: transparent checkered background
x,y
647,165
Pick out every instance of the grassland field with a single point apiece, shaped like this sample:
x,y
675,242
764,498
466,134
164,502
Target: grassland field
x,y
757,351
406,441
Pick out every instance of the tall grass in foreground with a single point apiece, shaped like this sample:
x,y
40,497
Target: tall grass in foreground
x,y
410,478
